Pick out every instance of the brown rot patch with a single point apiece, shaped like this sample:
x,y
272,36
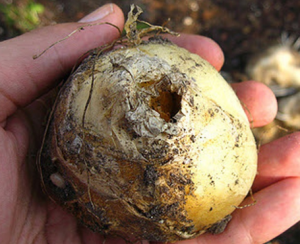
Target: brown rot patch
x,y
220,226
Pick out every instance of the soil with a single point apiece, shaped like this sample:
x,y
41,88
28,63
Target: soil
x,y
241,28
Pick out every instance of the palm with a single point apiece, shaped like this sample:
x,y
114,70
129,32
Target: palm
x,y
28,217
20,204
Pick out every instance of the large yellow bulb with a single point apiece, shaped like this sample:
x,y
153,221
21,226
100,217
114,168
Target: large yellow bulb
x,y
148,142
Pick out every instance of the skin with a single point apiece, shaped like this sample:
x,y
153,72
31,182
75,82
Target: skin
x,y
27,216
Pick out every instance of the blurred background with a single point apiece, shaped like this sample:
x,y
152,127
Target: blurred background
x,y
259,39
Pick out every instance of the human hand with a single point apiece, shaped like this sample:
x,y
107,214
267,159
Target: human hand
x,y
27,217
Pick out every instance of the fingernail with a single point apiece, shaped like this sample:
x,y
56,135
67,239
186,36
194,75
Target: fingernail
x,y
99,13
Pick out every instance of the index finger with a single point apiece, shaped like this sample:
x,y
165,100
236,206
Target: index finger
x,y
201,45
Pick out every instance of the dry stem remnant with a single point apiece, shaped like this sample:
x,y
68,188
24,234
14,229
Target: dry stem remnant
x,y
133,35
131,144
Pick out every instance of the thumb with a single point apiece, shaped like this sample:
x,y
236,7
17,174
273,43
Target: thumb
x,y
23,79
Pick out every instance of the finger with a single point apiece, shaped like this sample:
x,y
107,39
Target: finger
x,y
203,46
278,160
23,79
258,101
277,209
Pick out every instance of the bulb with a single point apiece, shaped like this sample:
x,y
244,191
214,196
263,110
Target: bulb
x,y
151,142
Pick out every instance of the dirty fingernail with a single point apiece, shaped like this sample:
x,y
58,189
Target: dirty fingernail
x,y
99,13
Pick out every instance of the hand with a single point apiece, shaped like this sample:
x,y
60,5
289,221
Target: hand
x,y
26,216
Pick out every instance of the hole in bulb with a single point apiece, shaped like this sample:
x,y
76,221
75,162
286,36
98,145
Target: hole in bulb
x,y
167,104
